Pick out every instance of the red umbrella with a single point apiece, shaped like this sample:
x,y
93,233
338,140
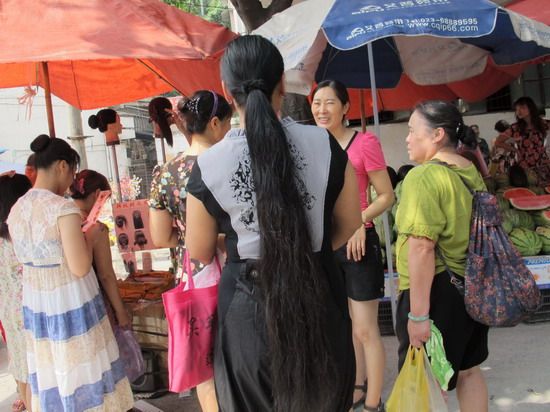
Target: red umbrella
x,y
98,53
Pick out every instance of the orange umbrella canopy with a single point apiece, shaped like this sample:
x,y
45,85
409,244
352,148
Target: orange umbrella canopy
x,y
105,52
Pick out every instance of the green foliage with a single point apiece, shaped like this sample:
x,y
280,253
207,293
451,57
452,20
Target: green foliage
x,y
214,10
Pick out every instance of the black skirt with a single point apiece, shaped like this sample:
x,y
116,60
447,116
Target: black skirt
x,y
241,360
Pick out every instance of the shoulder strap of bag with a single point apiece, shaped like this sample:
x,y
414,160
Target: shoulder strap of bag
x,y
448,166
455,280
187,265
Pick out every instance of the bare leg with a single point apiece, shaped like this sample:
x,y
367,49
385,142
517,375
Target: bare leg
x,y
364,317
471,390
206,392
360,368
24,394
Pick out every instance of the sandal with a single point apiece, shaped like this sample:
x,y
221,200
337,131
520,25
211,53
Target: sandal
x,y
379,408
18,406
361,400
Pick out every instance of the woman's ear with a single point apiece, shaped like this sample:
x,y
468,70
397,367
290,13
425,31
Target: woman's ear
x,y
61,166
439,135
214,123
346,108
226,93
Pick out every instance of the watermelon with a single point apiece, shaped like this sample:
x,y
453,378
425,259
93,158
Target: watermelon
x,y
531,202
547,189
537,190
503,202
541,218
526,220
544,234
526,241
501,181
507,225
512,216
517,192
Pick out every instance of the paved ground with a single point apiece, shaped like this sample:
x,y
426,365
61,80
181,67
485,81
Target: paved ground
x,y
517,372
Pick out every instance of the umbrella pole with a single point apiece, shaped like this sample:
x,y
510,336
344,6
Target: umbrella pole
x,y
363,111
385,222
48,95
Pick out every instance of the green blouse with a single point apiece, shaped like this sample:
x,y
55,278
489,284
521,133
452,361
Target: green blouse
x,y
436,204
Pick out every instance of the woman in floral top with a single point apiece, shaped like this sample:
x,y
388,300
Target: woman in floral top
x,y
530,132
12,187
207,118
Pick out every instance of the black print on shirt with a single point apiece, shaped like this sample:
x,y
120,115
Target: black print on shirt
x,y
308,200
243,189
242,184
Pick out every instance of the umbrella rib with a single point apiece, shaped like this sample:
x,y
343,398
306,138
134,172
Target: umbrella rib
x,y
160,76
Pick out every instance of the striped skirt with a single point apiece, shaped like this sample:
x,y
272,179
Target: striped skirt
x,y
72,355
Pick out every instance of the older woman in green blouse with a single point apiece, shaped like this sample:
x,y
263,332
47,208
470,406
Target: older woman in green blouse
x,y
433,220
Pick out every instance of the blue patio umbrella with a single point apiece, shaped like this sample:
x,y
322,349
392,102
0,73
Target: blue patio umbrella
x,y
433,42
370,43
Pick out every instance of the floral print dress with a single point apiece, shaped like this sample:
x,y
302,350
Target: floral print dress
x,y
11,310
168,192
532,153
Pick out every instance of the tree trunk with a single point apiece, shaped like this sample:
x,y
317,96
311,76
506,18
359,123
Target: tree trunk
x,y
254,14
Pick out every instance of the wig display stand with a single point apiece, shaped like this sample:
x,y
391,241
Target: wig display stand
x,y
115,171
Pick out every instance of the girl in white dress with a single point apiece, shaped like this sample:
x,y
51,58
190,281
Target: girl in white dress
x,y
72,354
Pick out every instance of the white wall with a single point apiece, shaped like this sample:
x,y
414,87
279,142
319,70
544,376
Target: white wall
x,y
17,132
393,135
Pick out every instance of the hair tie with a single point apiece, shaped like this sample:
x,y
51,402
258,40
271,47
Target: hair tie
x,y
255,84
215,106
458,129
193,105
79,186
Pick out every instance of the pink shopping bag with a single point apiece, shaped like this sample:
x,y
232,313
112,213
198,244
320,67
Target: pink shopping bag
x,y
191,316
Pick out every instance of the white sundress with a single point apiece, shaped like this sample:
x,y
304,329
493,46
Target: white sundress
x,y
72,355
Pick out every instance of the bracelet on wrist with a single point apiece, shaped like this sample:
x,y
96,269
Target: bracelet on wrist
x,y
418,318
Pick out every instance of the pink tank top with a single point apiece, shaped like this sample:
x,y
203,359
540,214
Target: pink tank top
x,y
365,154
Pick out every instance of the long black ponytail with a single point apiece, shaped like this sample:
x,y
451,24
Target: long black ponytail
x,y
293,285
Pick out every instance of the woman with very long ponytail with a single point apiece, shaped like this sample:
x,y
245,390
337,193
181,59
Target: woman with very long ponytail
x,y
285,198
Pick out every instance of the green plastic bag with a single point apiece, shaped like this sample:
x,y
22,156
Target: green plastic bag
x,y
416,389
441,367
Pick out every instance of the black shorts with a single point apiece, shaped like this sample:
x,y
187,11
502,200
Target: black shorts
x,y
464,339
364,279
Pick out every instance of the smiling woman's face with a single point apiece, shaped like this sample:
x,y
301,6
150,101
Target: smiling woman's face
x,y
328,110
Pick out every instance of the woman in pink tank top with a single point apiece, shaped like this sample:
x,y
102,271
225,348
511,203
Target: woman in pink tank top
x,y
361,259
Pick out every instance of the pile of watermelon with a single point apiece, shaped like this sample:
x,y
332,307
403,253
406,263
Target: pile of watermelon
x,y
525,213
526,218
